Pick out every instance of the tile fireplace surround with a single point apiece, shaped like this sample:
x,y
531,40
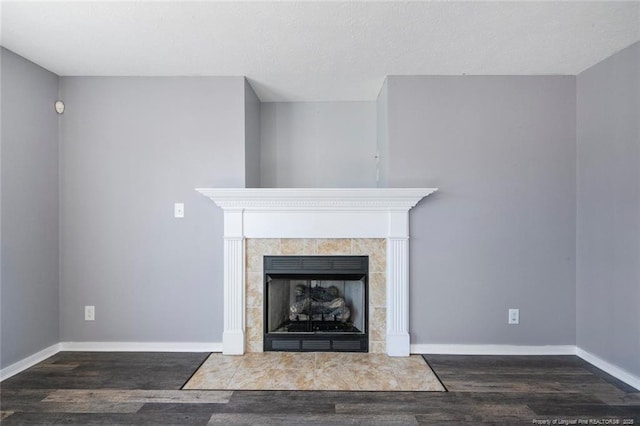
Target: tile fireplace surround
x,y
317,216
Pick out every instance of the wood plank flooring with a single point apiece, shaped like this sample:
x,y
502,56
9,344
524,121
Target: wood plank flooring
x,y
144,388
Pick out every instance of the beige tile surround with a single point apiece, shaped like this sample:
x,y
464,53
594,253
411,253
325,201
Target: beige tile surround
x,y
375,248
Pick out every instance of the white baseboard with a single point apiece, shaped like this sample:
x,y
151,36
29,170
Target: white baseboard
x,y
492,349
29,361
141,346
615,371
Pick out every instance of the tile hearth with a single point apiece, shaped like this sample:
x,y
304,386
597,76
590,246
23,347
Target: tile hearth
x,y
314,371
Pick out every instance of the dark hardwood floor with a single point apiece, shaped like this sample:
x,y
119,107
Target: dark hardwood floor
x,y
144,388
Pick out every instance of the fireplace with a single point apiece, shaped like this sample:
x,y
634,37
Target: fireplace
x,y
323,214
316,303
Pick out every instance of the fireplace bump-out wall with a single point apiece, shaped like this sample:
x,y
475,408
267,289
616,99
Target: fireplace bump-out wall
x,y
317,213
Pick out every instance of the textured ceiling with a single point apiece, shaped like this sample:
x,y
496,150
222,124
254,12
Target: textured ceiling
x,y
317,51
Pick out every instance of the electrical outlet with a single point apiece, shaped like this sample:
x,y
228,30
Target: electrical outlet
x,y
89,313
514,316
178,210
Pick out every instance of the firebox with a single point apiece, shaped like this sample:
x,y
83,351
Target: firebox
x,y
316,303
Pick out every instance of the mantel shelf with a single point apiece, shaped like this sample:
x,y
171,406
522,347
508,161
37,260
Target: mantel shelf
x,y
316,198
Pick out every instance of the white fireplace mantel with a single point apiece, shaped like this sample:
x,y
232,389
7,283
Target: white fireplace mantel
x,y
317,213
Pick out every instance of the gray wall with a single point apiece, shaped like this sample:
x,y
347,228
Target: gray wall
x,y
318,144
608,206
500,233
382,135
252,137
130,148
29,175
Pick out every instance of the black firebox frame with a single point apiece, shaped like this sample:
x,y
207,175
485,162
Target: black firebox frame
x,y
318,268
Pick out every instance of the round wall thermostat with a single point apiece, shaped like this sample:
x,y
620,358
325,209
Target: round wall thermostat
x,y
59,107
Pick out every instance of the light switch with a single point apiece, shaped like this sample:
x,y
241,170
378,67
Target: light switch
x,y
178,210
514,316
